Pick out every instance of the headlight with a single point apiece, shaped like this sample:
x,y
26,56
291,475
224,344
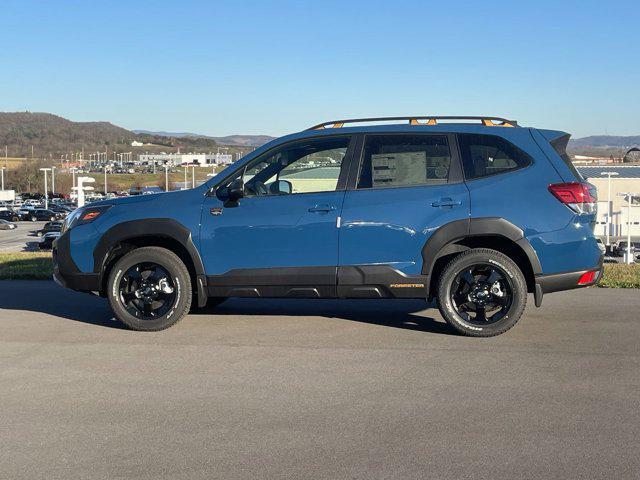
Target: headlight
x,y
83,215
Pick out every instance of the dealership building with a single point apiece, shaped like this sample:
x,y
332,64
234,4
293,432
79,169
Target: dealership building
x,y
176,159
624,179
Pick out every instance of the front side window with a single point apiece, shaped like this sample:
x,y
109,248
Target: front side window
x,y
301,167
485,155
404,161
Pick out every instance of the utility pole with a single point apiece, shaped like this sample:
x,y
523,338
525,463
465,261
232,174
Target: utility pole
x,y
73,177
46,188
166,177
629,253
609,208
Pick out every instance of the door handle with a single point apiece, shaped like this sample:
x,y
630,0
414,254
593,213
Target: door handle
x,y
446,202
322,208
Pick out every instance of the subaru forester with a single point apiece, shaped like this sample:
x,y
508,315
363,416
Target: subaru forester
x,y
472,212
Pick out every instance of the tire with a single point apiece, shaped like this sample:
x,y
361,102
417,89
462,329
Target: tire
x,y
119,289
507,292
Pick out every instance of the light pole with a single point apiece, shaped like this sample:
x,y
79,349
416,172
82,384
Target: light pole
x,y
2,173
628,253
73,177
53,180
105,180
609,209
46,188
185,177
166,177
193,176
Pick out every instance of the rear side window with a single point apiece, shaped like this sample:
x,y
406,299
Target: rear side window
x,y
404,161
485,155
560,146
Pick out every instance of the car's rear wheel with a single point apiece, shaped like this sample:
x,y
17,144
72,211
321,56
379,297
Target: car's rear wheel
x,y
482,293
149,289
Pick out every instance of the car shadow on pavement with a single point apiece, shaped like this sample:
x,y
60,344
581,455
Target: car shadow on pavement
x,y
44,296
48,298
390,313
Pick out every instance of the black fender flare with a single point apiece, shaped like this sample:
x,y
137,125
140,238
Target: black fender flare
x,y
443,241
151,227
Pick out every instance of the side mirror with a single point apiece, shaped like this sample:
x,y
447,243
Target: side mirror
x,y
235,190
281,187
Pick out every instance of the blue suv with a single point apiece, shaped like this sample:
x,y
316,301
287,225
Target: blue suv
x,y
474,212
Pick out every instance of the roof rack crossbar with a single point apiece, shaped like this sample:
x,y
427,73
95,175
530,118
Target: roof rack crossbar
x,y
418,120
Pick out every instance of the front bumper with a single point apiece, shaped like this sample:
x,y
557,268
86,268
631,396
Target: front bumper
x,y
558,282
66,272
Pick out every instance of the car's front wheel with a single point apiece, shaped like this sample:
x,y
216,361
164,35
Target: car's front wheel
x,y
149,289
482,293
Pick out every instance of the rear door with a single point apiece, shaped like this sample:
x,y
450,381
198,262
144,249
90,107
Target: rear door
x,y
404,187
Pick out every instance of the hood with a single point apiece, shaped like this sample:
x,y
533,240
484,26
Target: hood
x,y
126,200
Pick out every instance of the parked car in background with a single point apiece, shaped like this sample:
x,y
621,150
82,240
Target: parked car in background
x,y
10,215
31,202
621,248
39,214
47,240
63,212
6,225
54,226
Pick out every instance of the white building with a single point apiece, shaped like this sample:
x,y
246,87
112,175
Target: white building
x,y
135,143
623,218
175,159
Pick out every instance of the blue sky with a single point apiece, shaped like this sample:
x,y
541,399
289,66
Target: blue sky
x,y
274,67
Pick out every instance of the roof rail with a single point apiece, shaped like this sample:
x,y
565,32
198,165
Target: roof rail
x,y
419,120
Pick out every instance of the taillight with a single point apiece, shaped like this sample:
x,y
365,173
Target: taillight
x,y
587,278
579,197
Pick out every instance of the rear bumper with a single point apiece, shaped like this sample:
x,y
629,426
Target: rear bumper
x,y
66,272
558,282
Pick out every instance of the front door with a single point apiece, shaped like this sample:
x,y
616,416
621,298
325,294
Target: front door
x,y
408,185
281,237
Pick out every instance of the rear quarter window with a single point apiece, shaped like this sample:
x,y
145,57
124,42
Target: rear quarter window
x,y
486,155
560,146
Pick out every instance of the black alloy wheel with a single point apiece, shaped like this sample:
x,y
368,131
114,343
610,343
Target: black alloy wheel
x,y
147,291
482,294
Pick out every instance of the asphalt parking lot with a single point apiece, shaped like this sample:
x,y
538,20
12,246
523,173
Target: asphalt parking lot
x,y
318,389
22,238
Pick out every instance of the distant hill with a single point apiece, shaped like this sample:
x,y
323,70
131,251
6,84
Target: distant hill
x,y
244,140
230,140
606,141
51,135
